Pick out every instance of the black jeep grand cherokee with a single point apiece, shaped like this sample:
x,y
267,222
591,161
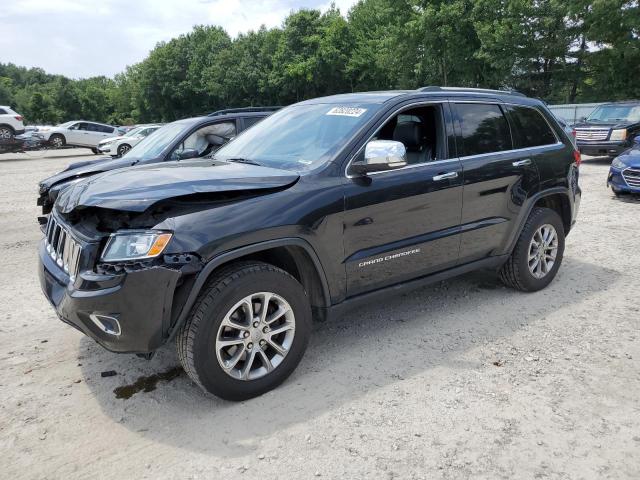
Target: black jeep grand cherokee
x,y
325,203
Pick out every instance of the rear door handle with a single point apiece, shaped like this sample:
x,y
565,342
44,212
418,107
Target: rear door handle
x,y
522,163
445,176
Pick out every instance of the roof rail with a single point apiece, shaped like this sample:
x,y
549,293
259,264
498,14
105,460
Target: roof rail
x,y
243,110
464,89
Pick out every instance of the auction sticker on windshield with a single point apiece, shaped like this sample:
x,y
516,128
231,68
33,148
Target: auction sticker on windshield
x,y
347,111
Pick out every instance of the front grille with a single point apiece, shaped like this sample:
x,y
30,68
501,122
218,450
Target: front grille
x,y
632,177
592,133
63,248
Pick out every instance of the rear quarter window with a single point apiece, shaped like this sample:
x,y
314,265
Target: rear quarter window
x,y
3,111
530,129
483,129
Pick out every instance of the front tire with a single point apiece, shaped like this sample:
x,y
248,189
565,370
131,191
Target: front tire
x,y
538,253
57,141
122,149
95,151
247,331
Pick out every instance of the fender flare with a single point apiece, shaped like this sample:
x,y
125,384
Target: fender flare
x,y
229,256
527,211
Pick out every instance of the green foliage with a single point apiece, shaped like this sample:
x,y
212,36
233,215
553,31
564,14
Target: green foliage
x,y
559,50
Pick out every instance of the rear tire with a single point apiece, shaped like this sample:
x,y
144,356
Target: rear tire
x,y
57,141
538,253
229,310
6,133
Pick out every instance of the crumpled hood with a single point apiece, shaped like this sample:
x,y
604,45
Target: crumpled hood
x,y
82,169
137,188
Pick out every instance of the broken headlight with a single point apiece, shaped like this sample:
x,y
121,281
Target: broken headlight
x,y
124,246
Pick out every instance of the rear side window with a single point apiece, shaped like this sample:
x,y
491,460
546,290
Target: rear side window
x,y
483,129
530,129
3,111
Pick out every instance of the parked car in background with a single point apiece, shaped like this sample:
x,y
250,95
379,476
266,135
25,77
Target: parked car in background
x,y
188,138
609,130
11,123
328,203
118,146
624,173
78,133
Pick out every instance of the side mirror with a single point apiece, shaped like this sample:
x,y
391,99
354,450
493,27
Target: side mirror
x,y
636,140
187,153
382,155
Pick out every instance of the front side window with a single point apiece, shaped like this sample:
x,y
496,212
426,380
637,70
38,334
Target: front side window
x,y
419,129
483,129
207,140
530,129
300,137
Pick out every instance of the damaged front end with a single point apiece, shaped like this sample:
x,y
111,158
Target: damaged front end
x,y
111,263
125,304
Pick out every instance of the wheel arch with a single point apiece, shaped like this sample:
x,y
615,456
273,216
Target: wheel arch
x,y
556,198
8,126
293,255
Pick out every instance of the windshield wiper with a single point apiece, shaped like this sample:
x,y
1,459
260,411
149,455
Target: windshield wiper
x,y
243,160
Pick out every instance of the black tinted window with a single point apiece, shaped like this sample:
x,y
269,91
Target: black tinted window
x,y
530,129
248,121
484,129
3,111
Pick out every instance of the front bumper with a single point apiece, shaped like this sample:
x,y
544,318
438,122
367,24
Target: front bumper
x,y
140,301
106,149
600,149
616,182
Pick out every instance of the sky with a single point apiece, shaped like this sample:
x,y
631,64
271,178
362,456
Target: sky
x,y
84,38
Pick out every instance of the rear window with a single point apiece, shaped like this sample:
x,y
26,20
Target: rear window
x,y
530,129
483,129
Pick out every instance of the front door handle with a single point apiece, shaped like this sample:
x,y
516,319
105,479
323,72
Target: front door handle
x,y
522,163
445,176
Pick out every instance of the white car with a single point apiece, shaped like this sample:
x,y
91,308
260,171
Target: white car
x,y
11,123
118,146
78,133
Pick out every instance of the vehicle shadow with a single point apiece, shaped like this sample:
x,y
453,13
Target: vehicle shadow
x,y
445,324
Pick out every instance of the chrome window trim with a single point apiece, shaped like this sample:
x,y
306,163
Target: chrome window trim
x,y
514,150
393,113
548,146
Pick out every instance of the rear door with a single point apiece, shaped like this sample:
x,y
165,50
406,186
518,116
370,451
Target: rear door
x,y
498,178
98,132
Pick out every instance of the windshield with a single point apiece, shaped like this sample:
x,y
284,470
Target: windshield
x,y
615,113
153,145
134,131
66,124
300,137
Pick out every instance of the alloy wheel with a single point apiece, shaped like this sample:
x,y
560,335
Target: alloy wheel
x,y
255,336
5,134
56,142
543,249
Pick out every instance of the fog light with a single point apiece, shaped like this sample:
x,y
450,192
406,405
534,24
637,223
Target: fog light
x,y
106,323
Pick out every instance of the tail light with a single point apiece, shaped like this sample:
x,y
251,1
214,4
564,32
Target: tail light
x,y
18,117
577,157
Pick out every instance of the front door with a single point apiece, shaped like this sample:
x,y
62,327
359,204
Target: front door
x,y
404,223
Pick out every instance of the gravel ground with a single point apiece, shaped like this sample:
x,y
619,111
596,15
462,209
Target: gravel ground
x,y
463,379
